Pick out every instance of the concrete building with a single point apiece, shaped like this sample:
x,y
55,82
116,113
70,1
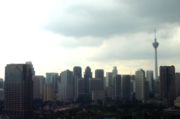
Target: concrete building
x,y
146,88
149,77
77,71
33,71
66,86
109,80
115,71
98,94
126,87
132,86
1,83
18,91
167,85
95,84
1,94
38,87
81,87
76,87
99,73
177,75
53,79
48,92
140,82
157,88
118,90
87,76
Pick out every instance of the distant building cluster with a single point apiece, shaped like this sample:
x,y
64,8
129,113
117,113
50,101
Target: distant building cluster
x,y
22,85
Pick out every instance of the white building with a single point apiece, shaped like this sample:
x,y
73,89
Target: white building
x,y
98,94
38,87
109,77
140,82
149,77
65,87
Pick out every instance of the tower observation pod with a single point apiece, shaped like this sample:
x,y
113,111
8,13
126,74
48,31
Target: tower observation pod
x,y
155,45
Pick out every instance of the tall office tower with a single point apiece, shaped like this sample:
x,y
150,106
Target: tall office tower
x,y
115,71
48,92
118,91
157,89
104,83
99,73
66,86
149,77
38,87
126,87
177,84
95,84
53,79
146,89
77,71
1,83
81,86
132,77
75,87
109,77
155,45
87,75
33,71
167,85
1,94
140,81
18,91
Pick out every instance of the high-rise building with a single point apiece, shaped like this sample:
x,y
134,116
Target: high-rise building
x,y
81,86
118,91
140,82
33,71
167,85
126,87
65,88
115,71
76,87
155,45
109,80
18,91
149,77
1,83
95,84
146,89
48,92
77,71
99,73
38,87
177,84
87,75
53,79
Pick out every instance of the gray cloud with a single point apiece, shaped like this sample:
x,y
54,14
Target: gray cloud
x,y
84,19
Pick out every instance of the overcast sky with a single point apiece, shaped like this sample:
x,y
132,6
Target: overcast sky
x,y
56,35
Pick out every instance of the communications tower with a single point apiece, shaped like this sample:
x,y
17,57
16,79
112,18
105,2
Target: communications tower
x,y
155,45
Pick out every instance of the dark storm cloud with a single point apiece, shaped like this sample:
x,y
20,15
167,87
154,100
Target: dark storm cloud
x,y
126,17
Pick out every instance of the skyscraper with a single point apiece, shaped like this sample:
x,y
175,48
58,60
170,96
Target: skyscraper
x,y
149,77
18,91
177,84
99,73
66,86
33,71
38,87
155,45
87,75
126,87
77,71
167,85
94,84
48,92
140,82
1,83
115,71
109,80
53,79
118,91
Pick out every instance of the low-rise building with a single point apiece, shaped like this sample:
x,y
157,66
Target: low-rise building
x,y
177,102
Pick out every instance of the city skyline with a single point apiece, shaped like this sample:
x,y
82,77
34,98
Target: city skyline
x,y
89,34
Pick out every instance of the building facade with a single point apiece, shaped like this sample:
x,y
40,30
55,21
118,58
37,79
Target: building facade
x,y
118,89
87,76
177,75
77,71
126,87
95,84
48,92
140,82
18,91
115,71
167,85
109,77
149,77
99,73
38,87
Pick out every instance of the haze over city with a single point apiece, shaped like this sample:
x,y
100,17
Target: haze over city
x,y
60,34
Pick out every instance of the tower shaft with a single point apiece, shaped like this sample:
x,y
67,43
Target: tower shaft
x,y
156,71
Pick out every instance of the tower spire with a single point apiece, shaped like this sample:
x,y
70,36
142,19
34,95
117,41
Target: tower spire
x,y
155,34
